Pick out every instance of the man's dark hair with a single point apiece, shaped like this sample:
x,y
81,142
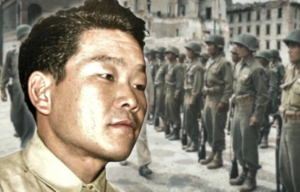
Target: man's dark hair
x,y
54,39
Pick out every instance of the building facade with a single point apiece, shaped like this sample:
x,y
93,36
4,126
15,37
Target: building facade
x,y
270,22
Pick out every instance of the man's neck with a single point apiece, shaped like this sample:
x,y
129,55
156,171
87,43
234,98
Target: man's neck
x,y
215,55
84,166
172,61
194,59
247,58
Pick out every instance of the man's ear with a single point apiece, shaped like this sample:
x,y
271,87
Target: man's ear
x,y
39,91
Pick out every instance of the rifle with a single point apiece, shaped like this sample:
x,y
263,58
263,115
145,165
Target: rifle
x,y
279,129
167,128
234,170
202,148
184,137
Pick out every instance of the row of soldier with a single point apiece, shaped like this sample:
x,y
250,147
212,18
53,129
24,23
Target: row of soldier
x,y
250,87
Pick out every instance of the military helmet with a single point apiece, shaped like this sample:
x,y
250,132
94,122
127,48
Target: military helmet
x,y
22,30
294,36
151,52
247,40
264,54
182,56
160,50
275,53
173,50
234,50
194,46
216,39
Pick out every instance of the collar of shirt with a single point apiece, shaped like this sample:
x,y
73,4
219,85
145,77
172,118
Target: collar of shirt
x,y
44,165
249,61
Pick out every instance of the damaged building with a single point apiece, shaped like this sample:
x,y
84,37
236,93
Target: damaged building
x,y
179,21
270,21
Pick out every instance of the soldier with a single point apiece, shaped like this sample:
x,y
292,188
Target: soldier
x,y
218,81
153,64
21,118
265,57
159,83
173,87
280,72
235,58
290,111
193,83
204,58
250,103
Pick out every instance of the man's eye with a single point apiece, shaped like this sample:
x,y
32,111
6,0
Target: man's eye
x,y
139,87
107,76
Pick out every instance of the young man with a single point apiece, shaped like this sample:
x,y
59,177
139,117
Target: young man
x,y
21,118
289,109
193,83
218,80
265,57
251,98
82,72
174,88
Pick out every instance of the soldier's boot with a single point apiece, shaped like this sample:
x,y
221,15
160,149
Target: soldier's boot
x,y
264,143
186,146
167,129
217,162
156,122
250,182
159,129
209,159
175,135
193,147
171,134
241,178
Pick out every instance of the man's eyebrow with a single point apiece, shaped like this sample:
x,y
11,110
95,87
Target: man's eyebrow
x,y
108,59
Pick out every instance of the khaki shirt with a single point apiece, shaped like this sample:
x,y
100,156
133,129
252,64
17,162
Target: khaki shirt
x,y
37,169
193,80
10,68
219,73
290,99
251,79
174,77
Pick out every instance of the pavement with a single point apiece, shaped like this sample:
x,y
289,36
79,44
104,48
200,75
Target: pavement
x,y
174,170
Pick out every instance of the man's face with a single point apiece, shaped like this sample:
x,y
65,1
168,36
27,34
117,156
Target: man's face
x,y
234,57
149,57
294,52
170,56
262,61
157,55
190,53
99,108
243,51
211,48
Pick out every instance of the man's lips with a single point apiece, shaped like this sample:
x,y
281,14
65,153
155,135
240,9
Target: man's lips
x,y
124,124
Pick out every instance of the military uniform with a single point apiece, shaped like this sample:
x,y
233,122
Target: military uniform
x,y
193,83
218,82
173,88
21,118
290,111
279,70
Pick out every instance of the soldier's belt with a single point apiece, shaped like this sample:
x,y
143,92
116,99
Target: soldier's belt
x,y
243,99
290,116
212,90
170,83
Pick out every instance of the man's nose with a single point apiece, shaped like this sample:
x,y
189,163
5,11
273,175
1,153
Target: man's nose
x,y
127,98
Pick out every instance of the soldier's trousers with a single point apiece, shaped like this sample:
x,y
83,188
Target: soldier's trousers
x,y
143,152
172,107
215,122
190,115
160,102
266,126
289,156
245,137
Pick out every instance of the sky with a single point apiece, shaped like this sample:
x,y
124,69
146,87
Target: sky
x,y
251,1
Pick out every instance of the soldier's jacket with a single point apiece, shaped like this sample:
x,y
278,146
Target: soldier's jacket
x,y
193,79
174,78
10,68
160,75
251,79
219,73
271,81
279,69
290,99
154,68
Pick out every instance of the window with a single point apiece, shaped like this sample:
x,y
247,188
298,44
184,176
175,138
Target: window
x,y
208,12
278,44
231,32
248,29
258,15
249,16
278,29
182,10
169,10
231,18
267,29
239,30
240,17
267,44
149,6
125,4
257,30
279,12
295,13
177,32
295,25
268,14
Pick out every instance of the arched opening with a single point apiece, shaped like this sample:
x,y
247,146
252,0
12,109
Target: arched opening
x,y
34,13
